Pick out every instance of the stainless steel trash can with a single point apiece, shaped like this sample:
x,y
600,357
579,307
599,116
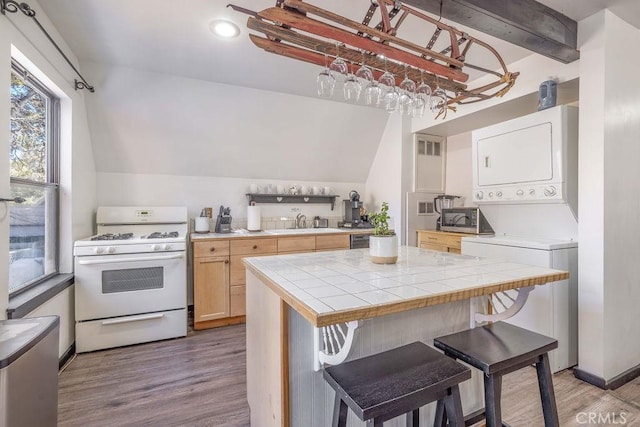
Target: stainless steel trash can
x,y
29,372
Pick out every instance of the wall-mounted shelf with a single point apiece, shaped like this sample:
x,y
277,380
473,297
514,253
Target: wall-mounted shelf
x,y
290,198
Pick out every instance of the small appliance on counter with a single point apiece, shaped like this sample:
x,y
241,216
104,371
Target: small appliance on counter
x,y
443,201
320,222
223,223
464,220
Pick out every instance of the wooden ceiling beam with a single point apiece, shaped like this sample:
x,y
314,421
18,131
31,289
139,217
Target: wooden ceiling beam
x,y
525,23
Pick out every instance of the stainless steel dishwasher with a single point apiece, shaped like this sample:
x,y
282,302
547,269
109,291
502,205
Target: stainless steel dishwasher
x,y
29,372
358,241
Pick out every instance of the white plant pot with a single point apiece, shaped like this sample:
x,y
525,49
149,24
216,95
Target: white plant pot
x,y
383,249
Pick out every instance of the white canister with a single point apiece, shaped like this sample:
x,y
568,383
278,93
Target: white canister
x,y
316,190
202,224
327,190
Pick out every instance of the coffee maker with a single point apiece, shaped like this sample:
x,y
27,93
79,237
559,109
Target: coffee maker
x,y
443,201
352,209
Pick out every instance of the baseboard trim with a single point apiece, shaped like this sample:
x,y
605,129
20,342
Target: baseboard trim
x,y
67,355
613,383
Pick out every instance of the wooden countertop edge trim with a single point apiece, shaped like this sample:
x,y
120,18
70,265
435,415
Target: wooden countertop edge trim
x,y
292,301
324,319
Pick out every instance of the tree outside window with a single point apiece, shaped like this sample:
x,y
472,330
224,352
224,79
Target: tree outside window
x,y
33,235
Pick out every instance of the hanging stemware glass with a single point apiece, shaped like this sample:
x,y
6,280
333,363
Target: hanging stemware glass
x,y
390,98
326,81
339,65
372,91
407,93
422,98
352,87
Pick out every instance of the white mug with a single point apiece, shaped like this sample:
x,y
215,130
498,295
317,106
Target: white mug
x,y
280,189
327,190
316,190
304,190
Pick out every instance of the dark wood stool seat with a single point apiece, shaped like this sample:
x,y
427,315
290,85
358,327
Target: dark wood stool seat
x,y
498,349
395,382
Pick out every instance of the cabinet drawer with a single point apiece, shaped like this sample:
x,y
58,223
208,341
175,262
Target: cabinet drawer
x,y
436,238
297,244
254,246
336,241
211,248
237,300
433,247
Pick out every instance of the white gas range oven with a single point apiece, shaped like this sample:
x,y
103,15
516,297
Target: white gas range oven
x,y
131,278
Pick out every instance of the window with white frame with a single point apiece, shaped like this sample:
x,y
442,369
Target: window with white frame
x,y
33,159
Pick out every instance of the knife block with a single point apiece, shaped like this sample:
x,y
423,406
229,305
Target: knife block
x,y
223,224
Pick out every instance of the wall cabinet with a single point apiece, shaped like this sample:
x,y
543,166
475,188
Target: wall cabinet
x,y
219,278
440,240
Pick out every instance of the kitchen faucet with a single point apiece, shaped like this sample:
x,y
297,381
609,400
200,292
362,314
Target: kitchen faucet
x,y
301,219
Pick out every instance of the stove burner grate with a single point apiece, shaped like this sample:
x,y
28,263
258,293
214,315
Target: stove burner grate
x,y
111,236
159,235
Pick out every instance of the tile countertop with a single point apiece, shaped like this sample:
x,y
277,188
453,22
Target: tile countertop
x,y
245,234
340,286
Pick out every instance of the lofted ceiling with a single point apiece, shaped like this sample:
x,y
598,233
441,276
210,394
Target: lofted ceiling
x,y
161,40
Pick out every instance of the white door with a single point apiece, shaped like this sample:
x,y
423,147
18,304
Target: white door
x,y
429,163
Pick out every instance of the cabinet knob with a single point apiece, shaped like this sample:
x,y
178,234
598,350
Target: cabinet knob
x,y
226,261
212,249
255,246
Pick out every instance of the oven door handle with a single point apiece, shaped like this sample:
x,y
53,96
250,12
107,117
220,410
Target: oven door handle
x,y
130,319
133,259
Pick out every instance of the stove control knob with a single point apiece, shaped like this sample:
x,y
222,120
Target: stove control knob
x,y
490,193
155,247
520,193
98,250
532,192
499,194
550,191
166,247
111,249
479,195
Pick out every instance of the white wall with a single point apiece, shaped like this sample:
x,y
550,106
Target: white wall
x,y
534,69
386,181
458,179
60,305
20,37
152,123
196,192
609,177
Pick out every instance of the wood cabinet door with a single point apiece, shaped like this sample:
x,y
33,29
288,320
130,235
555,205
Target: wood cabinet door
x,y
237,300
210,288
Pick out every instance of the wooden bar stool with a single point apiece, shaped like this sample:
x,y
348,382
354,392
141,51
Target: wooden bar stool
x,y
383,386
498,349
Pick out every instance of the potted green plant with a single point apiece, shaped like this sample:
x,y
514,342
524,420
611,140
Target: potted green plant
x,y
383,245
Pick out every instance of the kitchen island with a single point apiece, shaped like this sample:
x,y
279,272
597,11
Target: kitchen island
x,y
305,309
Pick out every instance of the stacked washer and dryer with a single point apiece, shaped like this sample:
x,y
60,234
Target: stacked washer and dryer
x,y
525,179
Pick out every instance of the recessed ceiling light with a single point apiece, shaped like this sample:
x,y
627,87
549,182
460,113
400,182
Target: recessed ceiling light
x,y
223,28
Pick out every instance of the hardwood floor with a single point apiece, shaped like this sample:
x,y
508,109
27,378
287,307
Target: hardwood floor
x,y
194,381
200,381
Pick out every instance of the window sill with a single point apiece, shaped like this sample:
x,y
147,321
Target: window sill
x,y
25,302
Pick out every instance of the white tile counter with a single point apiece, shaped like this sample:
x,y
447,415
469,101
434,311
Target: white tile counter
x,y
339,286
424,295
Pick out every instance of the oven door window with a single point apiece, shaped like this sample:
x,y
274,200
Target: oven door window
x,y
132,279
